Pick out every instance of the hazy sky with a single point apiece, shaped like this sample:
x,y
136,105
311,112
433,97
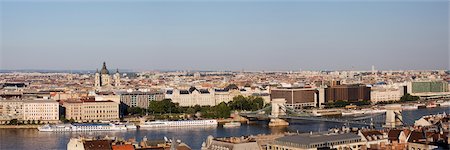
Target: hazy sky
x,y
249,35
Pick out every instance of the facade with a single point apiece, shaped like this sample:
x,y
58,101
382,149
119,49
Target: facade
x,y
296,96
348,141
11,109
104,79
350,93
140,99
42,110
379,94
85,111
427,87
23,110
202,97
192,97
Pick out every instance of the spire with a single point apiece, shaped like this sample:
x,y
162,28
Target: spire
x,y
96,71
104,70
104,65
117,71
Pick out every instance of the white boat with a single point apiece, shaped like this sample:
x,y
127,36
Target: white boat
x,y
181,123
409,107
130,126
362,112
232,124
81,127
445,104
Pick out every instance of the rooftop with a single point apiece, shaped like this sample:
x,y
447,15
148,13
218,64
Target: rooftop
x,y
308,139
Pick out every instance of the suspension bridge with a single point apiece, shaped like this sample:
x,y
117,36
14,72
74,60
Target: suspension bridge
x,y
280,114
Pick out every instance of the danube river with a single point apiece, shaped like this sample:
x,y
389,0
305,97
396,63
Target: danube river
x,y
31,139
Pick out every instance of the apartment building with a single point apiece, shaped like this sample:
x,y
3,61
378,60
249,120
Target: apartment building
x,y
88,110
42,110
140,99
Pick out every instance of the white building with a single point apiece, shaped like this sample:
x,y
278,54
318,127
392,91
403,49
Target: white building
x,y
384,94
43,110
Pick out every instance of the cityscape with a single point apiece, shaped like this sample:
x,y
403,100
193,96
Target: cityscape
x,y
224,75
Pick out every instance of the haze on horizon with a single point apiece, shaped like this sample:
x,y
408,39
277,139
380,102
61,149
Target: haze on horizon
x,y
219,35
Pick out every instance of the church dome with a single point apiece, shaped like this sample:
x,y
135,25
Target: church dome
x,y
104,70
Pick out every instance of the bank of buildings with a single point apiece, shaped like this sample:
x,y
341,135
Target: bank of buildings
x,y
318,96
211,96
24,110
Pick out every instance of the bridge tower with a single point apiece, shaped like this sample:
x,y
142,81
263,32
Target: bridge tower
x,y
278,109
393,116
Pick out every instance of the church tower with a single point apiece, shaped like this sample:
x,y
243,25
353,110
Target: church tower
x,y
105,77
117,78
97,79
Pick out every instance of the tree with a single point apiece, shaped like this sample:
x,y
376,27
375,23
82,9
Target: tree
x,y
28,121
136,111
33,122
39,122
408,97
71,120
13,122
164,106
246,103
222,110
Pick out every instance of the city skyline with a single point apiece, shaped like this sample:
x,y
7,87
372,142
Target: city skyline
x,y
234,36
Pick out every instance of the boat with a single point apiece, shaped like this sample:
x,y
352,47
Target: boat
x,y
431,105
409,107
82,127
180,123
130,126
362,112
445,104
232,124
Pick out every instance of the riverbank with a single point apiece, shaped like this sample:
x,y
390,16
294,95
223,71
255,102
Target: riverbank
x,y
19,126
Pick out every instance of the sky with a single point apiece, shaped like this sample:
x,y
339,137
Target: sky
x,y
225,35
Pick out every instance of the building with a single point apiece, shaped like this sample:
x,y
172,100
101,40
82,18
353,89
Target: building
x,y
88,110
140,99
381,94
192,97
374,139
350,93
115,143
427,87
296,96
349,141
24,110
104,79
11,109
41,110
231,143
208,97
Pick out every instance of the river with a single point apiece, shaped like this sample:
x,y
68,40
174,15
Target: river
x,y
31,139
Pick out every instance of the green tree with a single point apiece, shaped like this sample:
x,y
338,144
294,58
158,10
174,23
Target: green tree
x,y
136,111
246,103
14,122
408,97
33,122
28,121
190,110
222,110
